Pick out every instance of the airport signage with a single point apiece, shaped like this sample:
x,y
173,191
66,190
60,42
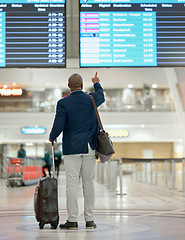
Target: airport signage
x,y
7,92
33,130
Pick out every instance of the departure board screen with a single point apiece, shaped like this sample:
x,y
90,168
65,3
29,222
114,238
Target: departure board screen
x,y
132,33
32,33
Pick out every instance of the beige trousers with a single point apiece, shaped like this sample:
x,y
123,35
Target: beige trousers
x,y
77,165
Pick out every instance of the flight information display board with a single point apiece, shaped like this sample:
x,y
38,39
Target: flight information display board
x,y
132,33
32,33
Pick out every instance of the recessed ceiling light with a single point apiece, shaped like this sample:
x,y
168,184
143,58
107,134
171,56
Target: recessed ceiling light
x,y
130,85
154,85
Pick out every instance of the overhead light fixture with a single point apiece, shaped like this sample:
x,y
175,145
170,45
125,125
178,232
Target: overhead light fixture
x,y
5,86
130,85
118,133
29,144
154,85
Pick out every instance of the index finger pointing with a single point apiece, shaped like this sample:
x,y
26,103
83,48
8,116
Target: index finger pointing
x,y
96,74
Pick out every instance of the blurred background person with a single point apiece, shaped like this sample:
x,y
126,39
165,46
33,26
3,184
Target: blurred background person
x,y
21,152
48,163
58,159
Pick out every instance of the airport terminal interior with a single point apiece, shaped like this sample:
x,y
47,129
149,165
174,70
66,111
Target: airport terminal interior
x,y
140,191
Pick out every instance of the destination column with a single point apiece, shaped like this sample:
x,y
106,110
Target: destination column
x,y
134,38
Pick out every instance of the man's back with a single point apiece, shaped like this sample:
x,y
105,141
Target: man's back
x,y
76,117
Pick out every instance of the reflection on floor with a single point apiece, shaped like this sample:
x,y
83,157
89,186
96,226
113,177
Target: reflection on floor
x,y
143,212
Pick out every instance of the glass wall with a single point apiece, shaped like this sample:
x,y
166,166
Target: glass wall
x,y
124,99
145,99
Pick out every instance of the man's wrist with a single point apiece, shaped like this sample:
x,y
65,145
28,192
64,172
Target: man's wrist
x,y
95,82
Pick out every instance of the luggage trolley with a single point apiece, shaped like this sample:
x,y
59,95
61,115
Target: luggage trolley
x,y
15,172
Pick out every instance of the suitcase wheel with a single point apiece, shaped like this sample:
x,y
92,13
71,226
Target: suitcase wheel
x,y
54,225
41,225
13,184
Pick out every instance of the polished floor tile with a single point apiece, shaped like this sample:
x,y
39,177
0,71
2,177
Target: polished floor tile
x,y
145,211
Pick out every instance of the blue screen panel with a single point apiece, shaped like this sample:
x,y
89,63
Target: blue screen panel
x,y
132,33
32,33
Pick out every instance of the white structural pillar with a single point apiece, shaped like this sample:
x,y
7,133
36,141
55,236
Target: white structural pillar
x,y
172,81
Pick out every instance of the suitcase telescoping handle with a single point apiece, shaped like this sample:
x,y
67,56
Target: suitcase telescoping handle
x,y
53,159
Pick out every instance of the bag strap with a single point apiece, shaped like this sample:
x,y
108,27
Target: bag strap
x,y
96,111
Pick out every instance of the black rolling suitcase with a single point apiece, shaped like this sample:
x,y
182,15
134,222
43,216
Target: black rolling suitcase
x,y
46,200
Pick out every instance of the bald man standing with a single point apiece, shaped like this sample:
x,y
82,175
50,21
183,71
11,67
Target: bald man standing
x,y
76,118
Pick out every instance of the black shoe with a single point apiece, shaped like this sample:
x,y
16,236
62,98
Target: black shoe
x,y
69,225
90,225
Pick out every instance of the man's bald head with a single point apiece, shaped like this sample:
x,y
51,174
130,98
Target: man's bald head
x,y
75,82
